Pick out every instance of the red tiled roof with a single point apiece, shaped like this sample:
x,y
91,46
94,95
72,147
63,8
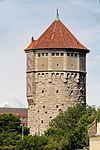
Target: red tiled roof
x,y
23,115
24,121
56,36
14,110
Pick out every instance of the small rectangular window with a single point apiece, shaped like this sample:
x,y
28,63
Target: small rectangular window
x,y
57,73
84,55
38,54
80,55
56,106
41,121
57,54
42,54
68,54
71,54
42,91
75,54
62,54
53,54
46,54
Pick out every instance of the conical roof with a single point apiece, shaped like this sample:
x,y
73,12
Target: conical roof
x,y
56,36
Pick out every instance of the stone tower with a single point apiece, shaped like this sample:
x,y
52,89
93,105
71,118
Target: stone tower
x,y
56,75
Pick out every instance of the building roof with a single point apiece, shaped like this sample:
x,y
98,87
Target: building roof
x,y
14,110
56,36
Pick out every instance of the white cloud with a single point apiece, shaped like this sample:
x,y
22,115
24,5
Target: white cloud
x,y
12,102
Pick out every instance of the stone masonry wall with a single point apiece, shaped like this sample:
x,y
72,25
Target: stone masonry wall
x,y
56,80
53,92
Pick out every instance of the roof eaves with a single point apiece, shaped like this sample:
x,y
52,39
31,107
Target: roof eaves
x,y
76,49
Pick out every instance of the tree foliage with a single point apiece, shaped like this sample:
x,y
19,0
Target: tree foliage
x,y
9,122
68,119
74,122
68,131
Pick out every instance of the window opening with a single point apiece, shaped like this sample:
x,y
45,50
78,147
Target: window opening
x,y
53,54
42,91
60,110
56,106
71,91
41,121
68,54
71,54
38,54
75,54
42,54
62,54
57,73
57,91
57,54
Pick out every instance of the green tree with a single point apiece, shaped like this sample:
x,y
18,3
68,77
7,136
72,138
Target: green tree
x,y
74,122
68,131
9,122
68,119
10,130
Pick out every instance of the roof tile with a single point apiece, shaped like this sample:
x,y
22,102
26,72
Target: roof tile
x,y
56,36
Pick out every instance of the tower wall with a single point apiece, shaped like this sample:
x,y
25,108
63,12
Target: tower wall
x,y
56,80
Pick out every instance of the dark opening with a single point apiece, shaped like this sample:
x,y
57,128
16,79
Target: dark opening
x,y
57,91
53,54
41,121
56,106
57,54
42,54
38,54
68,54
75,54
42,91
60,110
62,54
72,54
57,73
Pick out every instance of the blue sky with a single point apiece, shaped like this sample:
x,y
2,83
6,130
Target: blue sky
x,y
22,19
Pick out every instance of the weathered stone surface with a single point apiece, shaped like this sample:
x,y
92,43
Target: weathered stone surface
x,y
54,83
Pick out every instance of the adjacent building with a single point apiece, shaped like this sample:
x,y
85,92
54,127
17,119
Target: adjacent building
x,y
21,112
94,133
